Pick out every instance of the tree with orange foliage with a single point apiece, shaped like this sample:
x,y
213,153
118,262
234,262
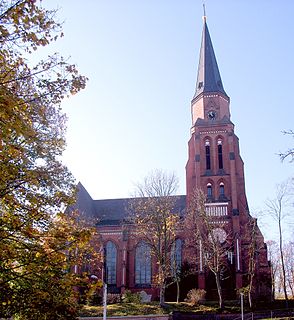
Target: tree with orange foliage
x,y
35,187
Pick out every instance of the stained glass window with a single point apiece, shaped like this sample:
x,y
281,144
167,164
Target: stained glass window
x,y
143,264
176,257
111,253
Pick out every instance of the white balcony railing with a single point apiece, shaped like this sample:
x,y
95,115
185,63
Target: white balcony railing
x,y
219,209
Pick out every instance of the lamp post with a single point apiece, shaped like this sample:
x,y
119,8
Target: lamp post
x,y
242,303
104,285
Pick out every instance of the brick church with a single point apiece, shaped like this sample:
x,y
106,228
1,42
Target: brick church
x,y
215,166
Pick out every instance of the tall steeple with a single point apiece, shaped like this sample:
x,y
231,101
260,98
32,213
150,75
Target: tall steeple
x,y
208,79
215,166
210,101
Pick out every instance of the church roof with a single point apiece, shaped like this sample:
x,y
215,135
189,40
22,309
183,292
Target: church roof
x,y
84,202
109,211
208,79
112,211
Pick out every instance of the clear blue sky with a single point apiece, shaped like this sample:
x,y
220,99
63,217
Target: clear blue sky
x,y
141,58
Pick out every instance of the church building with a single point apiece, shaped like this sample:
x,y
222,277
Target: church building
x,y
215,166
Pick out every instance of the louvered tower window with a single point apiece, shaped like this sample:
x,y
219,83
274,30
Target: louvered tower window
x,y
221,190
220,154
207,154
209,190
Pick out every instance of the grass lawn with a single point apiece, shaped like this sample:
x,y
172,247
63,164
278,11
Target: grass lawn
x,y
123,309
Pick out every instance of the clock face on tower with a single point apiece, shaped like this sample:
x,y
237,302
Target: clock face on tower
x,y
211,115
219,234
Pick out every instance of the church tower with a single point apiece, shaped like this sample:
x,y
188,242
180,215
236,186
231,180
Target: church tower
x,y
216,167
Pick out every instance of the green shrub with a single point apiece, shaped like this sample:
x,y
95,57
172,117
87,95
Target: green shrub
x,y
113,298
194,296
129,297
95,299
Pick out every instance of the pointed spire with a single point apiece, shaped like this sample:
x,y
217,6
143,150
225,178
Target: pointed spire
x,y
209,79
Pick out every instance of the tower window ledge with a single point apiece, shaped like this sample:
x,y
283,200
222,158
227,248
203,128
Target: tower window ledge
x,y
209,199
221,172
223,199
208,173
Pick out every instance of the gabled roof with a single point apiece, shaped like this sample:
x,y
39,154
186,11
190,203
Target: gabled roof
x,y
208,79
84,202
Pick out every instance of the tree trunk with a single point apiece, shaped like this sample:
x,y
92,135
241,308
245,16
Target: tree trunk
x,y
178,291
249,292
273,283
252,261
219,290
161,295
283,263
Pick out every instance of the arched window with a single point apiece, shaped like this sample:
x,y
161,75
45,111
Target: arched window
x,y
111,253
209,190
221,190
220,154
143,264
176,257
207,154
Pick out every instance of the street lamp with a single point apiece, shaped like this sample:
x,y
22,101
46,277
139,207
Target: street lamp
x,y
104,284
242,303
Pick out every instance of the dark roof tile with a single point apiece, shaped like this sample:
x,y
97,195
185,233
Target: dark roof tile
x,y
209,79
